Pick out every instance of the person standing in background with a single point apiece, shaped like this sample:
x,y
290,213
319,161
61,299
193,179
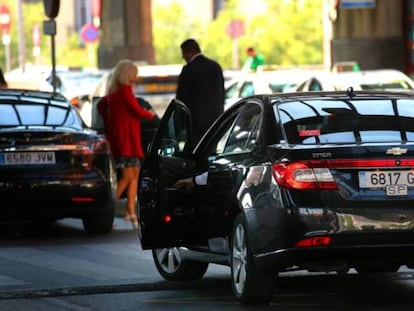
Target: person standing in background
x,y
121,114
200,87
253,60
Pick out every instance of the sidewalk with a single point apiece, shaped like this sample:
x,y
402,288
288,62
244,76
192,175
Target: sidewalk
x,y
119,222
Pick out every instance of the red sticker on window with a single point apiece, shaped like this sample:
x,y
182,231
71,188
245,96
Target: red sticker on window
x,y
309,132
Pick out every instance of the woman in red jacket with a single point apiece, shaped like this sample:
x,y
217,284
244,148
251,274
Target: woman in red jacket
x,y
121,115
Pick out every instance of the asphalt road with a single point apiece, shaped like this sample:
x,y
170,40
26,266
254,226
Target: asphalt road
x,y
58,267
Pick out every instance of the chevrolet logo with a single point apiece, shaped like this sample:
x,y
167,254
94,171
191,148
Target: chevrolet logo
x,y
397,151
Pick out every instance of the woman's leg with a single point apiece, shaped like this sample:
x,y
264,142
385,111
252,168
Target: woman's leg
x,y
132,190
123,182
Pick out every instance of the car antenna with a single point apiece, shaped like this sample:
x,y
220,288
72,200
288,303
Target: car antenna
x,y
350,92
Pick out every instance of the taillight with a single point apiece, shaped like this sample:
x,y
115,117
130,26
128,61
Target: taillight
x,y
86,152
314,241
75,102
311,175
82,199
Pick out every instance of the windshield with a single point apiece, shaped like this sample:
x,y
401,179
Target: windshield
x,y
347,121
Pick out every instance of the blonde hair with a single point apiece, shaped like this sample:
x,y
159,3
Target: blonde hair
x,y
122,73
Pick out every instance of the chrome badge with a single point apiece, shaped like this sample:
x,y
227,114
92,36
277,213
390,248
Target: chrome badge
x,y
397,151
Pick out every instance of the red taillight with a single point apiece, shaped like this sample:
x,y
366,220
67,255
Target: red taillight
x,y
316,174
312,175
83,199
87,151
75,102
314,241
167,218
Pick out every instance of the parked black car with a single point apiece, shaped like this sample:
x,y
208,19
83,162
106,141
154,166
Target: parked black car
x,y
51,165
310,181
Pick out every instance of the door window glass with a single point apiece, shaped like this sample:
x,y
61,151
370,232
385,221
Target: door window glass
x,y
244,133
247,90
176,137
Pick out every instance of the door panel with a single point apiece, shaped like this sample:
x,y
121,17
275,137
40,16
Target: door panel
x,y
165,212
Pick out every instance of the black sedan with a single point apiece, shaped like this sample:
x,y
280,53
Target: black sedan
x,y
296,181
51,165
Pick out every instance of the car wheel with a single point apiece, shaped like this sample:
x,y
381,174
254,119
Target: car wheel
x,y
99,223
377,268
249,285
172,267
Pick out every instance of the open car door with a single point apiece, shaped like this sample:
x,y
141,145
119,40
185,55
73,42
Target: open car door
x,y
165,213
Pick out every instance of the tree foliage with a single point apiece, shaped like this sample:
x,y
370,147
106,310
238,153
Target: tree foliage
x,y
288,32
32,14
73,53
170,27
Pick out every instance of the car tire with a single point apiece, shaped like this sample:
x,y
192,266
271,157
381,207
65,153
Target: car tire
x,y
249,285
172,267
99,223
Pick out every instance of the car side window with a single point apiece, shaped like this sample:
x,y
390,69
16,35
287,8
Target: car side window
x,y
176,138
245,131
231,91
315,85
247,90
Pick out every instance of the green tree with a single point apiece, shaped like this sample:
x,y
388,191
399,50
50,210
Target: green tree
x,y
171,26
33,13
287,33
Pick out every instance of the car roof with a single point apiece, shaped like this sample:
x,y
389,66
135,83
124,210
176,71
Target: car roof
x,y
350,93
20,93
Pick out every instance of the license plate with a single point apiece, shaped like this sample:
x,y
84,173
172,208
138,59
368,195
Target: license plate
x,y
382,179
27,158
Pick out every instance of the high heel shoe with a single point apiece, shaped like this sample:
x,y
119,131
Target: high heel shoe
x,y
133,219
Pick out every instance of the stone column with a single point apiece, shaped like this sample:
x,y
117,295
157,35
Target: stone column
x,y
372,37
126,32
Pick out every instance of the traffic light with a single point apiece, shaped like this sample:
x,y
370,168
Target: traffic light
x,y
51,8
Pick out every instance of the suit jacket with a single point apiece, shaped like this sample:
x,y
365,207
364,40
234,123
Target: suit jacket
x,y
201,89
121,115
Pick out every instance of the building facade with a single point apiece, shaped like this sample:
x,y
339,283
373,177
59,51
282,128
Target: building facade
x,y
376,33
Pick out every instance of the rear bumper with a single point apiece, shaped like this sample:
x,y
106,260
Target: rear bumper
x,y
54,200
326,259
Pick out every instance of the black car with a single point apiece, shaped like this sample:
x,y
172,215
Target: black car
x,y
317,181
51,165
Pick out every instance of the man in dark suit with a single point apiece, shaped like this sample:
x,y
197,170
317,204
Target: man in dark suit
x,y
200,87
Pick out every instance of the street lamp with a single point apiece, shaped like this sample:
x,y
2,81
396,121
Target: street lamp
x,y
49,28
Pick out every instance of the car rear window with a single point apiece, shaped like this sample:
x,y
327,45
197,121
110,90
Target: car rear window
x,y
13,114
347,121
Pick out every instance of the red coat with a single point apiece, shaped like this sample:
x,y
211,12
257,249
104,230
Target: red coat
x,y
121,116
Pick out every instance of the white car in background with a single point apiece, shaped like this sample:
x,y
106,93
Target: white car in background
x,y
265,82
380,79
